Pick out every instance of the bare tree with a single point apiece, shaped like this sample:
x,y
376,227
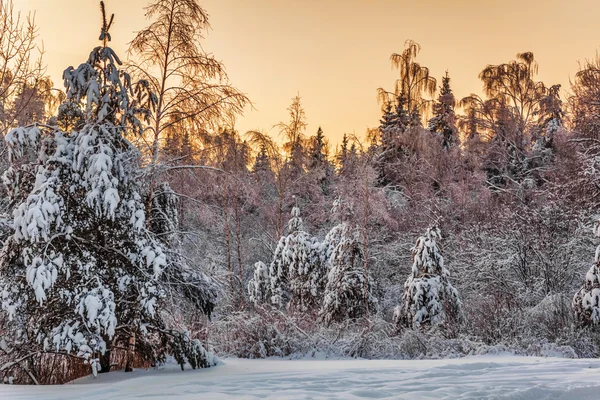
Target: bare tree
x,y
20,63
414,80
191,86
293,131
583,103
510,88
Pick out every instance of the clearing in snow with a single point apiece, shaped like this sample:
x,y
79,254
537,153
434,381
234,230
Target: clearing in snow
x,y
479,377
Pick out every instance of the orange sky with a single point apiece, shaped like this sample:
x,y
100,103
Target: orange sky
x,y
335,53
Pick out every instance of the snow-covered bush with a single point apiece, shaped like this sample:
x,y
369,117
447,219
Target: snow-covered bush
x,y
429,298
191,350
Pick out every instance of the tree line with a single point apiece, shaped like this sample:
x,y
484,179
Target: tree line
x,y
137,223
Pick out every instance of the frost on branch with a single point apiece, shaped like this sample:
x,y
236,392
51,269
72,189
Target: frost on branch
x,y
429,298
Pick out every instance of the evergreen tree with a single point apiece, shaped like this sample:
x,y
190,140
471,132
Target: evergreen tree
x,y
344,295
317,150
262,163
81,272
393,128
443,122
259,287
429,297
586,302
318,161
297,278
165,213
342,154
278,275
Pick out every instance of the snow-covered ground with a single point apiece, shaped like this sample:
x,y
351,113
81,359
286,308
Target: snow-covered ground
x,y
480,377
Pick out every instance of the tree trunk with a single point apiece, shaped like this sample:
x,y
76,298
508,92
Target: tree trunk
x,y
130,353
105,358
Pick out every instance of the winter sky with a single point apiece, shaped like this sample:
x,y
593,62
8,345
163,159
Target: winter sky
x,y
335,53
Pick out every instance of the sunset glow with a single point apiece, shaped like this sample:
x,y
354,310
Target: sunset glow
x,y
335,53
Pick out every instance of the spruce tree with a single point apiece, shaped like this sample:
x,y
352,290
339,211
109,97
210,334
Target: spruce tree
x,y
259,287
429,297
393,126
81,271
345,296
296,274
342,154
586,302
318,164
443,122
262,163
317,150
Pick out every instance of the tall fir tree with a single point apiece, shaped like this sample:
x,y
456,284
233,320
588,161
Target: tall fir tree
x,y
393,126
262,162
318,161
443,122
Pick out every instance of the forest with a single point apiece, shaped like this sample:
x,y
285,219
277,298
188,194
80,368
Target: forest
x,y
138,226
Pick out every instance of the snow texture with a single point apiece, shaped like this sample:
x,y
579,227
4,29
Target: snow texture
x,y
479,377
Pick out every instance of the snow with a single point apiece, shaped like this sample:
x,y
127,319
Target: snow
x,y
478,377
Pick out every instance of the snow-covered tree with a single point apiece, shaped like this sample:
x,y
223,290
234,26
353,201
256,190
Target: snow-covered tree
x,y
348,292
259,287
429,297
306,275
296,273
586,303
81,272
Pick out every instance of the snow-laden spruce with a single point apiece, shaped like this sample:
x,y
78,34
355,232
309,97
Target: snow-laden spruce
x,y
348,292
295,278
429,298
81,270
586,303
259,287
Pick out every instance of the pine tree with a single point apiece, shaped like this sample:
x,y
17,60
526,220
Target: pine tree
x,y
443,122
429,297
586,302
81,271
344,295
394,123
